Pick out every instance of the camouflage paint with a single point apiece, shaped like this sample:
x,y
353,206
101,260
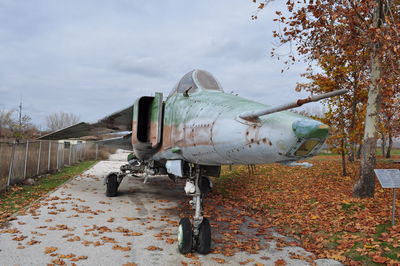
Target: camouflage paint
x,y
204,128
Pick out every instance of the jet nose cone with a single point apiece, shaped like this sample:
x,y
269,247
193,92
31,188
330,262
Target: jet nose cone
x,y
307,129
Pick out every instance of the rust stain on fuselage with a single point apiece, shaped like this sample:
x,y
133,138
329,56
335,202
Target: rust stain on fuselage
x,y
205,127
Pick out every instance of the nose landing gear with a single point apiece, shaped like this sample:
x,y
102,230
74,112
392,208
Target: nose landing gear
x,y
196,235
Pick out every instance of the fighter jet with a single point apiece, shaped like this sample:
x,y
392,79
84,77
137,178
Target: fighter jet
x,y
194,131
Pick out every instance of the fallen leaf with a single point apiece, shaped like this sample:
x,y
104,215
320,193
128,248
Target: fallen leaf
x,y
154,248
131,218
280,262
246,261
19,238
170,240
33,242
68,256
220,261
118,247
49,250
58,262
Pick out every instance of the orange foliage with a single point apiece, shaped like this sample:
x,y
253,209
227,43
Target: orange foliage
x,y
313,205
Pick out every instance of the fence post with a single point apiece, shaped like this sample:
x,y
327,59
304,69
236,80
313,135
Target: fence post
x,y
26,158
49,159
58,153
69,156
97,150
63,154
84,151
75,149
1,153
74,155
11,165
38,161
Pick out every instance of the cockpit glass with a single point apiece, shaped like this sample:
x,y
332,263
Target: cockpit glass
x,y
207,81
187,84
201,79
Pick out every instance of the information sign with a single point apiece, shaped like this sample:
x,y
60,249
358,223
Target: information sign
x,y
389,178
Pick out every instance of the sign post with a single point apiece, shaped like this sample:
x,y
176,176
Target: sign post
x,y
389,178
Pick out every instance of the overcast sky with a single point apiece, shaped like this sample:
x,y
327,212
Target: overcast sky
x,y
94,57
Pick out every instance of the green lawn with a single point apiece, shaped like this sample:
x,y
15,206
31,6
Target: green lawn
x,y
395,152
20,196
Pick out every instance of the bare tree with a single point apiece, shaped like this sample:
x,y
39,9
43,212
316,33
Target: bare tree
x,y
12,127
6,122
6,118
61,120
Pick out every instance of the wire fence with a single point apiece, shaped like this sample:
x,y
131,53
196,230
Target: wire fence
x,y
19,161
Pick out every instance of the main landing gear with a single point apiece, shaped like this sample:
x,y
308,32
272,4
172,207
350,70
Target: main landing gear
x,y
196,235
113,179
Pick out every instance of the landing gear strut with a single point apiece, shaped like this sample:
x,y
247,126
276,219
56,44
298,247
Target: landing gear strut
x,y
196,235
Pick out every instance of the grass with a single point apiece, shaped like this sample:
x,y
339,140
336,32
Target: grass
x,y
390,251
394,152
20,196
332,242
59,157
356,256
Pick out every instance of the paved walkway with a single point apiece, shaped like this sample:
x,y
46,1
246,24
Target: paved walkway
x,y
78,224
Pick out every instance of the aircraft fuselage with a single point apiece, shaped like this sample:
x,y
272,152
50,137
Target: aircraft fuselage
x,y
205,128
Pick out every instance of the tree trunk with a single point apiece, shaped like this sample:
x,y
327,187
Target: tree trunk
x,y
389,148
365,186
359,149
344,171
352,148
383,144
351,152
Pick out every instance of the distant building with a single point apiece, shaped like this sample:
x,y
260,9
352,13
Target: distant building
x,y
69,142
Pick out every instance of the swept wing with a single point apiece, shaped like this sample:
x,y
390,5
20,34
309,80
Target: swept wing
x,y
116,122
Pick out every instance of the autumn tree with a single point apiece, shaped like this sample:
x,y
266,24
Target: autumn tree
x,y
60,120
338,73
364,33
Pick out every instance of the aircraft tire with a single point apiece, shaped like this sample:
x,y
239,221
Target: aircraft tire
x,y
205,185
185,239
112,185
204,240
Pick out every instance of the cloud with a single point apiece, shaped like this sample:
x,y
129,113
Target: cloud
x,y
92,57
143,66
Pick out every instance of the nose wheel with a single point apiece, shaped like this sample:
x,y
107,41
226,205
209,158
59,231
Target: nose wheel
x,y
187,240
204,238
185,236
197,235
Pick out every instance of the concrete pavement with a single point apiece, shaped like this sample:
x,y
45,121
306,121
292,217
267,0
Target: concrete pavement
x,y
78,224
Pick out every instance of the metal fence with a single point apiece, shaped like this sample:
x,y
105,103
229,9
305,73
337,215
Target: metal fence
x,y
19,161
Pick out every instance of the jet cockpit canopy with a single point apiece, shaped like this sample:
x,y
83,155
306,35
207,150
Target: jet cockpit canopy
x,y
196,80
